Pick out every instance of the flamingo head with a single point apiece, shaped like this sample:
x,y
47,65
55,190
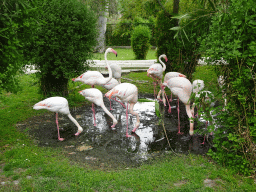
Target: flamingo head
x,y
81,92
165,57
164,85
111,50
78,78
181,75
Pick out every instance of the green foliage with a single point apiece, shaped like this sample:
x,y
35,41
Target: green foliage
x,y
62,44
181,52
232,37
15,29
120,34
141,41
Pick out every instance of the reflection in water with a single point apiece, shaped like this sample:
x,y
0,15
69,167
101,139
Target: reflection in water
x,y
149,137
113,144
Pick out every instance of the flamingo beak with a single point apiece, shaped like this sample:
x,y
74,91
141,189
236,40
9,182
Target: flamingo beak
x,y
166,59
114,52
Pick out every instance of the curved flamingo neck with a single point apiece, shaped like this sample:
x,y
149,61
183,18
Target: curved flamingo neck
x,y
109,69
80,129
109,114
163,64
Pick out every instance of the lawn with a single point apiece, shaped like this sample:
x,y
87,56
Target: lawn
x,y
35,168
124,54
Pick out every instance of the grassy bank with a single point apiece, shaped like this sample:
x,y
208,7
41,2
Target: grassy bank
x,y
35,168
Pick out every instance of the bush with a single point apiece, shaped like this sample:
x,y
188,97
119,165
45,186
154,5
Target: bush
x,y
16,27
181,53
232,36
141,41
62,44
120,34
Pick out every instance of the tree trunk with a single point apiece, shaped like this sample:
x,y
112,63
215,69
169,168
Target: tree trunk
x,y
176,4
102,26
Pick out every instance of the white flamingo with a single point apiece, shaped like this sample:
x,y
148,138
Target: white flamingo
x,y
155,71
126,92
116,71
168,76
182,88
95,77
58,104
110,85
94,95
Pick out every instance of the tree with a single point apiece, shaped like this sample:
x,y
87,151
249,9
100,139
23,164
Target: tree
x,y
62,44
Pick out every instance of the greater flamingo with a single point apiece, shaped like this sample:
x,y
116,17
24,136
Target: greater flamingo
x,y
182,88
168,76
58,104
110,85
126,92
116,71
95,77
155,71
94,95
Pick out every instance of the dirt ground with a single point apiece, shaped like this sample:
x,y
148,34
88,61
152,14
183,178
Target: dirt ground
x,y
102,147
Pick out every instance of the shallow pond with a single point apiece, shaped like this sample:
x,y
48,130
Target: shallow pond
x,y
102,146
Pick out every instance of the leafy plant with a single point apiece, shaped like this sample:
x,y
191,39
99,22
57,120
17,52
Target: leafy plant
x,y
16,23
141,41
232,36
61,46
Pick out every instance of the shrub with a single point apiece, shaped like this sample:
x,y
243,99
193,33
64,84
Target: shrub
x,y
181,52
16,26
232,36
141,41
62,44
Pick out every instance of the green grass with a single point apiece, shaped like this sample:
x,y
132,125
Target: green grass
x,y
48,169
124,54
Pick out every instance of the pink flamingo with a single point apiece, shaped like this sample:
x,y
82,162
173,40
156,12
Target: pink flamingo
x,y
155,71
182,88
94,95
58,104
95,77
117,72
126,92
110,85
168,76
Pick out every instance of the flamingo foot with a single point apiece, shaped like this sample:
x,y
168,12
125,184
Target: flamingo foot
x,y
61,139
169,110
95,124
127,135
180,133
191,133
203,141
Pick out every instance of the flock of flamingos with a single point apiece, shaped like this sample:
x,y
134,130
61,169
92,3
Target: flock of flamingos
x,y
125,92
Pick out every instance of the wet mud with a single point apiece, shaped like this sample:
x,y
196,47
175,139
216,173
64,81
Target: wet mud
x,y
103,147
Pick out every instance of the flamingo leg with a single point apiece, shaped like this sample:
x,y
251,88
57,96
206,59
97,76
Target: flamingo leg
x,y
119,102
170,109
94,118
178,109
127,135
206,124
110,104
60,139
